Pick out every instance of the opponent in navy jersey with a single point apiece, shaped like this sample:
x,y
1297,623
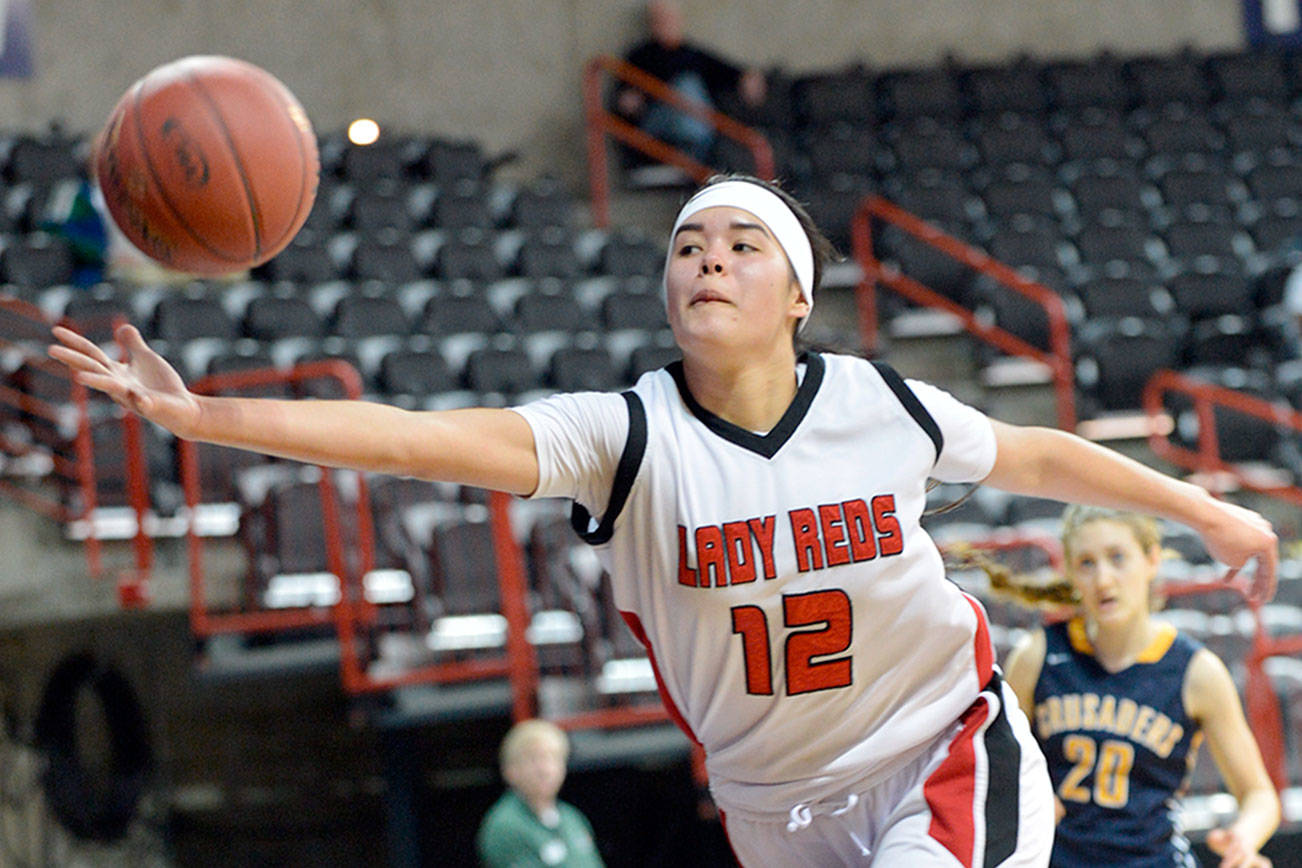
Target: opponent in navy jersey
x,y
795,644
1120,705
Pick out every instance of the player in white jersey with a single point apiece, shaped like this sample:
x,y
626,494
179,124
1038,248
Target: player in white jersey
x,y
759,512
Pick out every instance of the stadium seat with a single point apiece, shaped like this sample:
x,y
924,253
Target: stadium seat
x,y
579,369
304,261
633,310
930,93
548,311
373,209
1115,359
1008,195
547,252
841,149
468,256
1237,76
361,316
387,258
924,143
1177,131
1095,134
35,262
459,314
93,314
627,253
825,99
1261,129
461,205
415,374
272,318
1012,87
464,568
446,162
364,165
542,202
502,371
1012,138
1114,297
178,319
1077,84
1158,80
1211,288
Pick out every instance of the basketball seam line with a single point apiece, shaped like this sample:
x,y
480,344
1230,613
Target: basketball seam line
x,y
158,182
239,164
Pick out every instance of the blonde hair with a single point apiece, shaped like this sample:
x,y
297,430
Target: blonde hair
x,y
528,732
1061,592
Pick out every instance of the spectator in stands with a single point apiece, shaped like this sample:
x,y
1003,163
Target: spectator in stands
x,y
693,71
529,825
1120,702
760,519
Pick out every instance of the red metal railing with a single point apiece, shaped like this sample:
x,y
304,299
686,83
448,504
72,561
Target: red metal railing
x,y
602,123
353,613
203,621
25,331
1206,458
1057,359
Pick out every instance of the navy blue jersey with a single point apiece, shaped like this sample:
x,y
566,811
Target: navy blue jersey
x,y
1119,746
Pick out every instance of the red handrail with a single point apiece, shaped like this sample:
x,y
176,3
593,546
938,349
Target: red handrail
x,y
1057,359
206,623
78,469
1207,458
602,123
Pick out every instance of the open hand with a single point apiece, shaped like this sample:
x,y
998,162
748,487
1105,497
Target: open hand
x,y
145,383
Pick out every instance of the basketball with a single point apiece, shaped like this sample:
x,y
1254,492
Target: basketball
x,y
208,165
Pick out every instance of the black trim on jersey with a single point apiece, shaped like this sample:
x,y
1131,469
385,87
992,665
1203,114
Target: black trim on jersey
x,y
1004,755
625,473
912,404
766,445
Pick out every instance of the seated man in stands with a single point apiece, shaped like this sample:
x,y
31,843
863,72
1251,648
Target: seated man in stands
x,y
692,71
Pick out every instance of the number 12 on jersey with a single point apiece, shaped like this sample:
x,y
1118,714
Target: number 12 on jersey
x,y
827,614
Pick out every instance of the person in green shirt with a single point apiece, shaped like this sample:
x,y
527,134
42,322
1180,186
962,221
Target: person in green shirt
x,y
528,826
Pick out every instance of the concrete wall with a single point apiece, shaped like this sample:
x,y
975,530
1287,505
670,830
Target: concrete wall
x,y
508,72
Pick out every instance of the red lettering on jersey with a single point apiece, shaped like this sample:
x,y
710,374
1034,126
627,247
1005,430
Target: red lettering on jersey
x,y
762,530
741,560
710,557
686,575
859,527
829,517
804,532
890,540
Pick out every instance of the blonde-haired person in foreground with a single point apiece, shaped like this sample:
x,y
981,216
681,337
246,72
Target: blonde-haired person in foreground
x,y
529,825
1120,702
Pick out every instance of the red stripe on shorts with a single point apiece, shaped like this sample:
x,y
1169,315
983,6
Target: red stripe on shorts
x,y
635,624
950,790
981,646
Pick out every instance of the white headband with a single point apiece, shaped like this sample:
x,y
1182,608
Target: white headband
x,y
772,212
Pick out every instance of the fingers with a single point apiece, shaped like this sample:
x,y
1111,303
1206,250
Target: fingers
x,y
129,337
106,383
76,360
71,339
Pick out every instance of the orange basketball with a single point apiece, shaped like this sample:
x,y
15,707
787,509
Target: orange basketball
x,y
208,164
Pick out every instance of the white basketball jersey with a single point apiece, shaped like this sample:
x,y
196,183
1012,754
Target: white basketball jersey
x,y
798,616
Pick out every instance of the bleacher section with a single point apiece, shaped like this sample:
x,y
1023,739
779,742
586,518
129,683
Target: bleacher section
x,y
1161,197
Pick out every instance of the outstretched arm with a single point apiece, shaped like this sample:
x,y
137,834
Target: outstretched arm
x,y
482,447
1049,463
1211,699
